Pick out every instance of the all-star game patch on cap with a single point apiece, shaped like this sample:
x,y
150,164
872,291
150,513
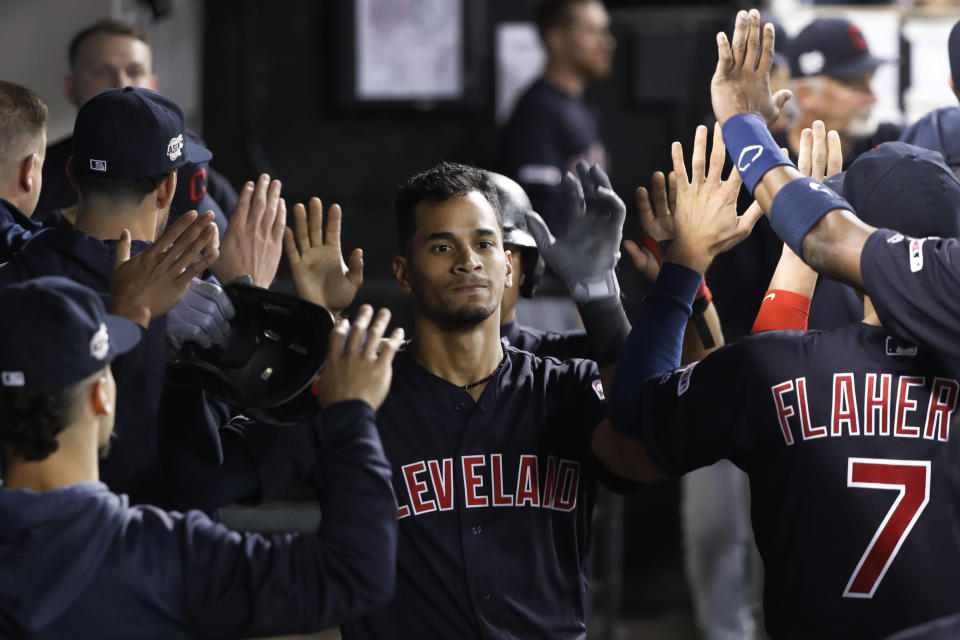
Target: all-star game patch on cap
x,y
132,133
54,332
832,47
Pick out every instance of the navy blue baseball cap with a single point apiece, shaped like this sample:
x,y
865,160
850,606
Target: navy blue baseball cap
x,y
833,47
132,133
57,332
902,187
953,49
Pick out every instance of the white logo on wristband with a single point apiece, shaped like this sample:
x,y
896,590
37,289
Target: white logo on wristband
x,y
741,167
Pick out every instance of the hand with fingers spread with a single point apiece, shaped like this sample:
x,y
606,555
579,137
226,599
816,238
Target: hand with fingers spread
x,y
252,243
149,284
741,82
656,221
319,272
586,256
359,363
705,217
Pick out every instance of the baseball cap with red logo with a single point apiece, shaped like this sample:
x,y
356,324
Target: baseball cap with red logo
x,y
832,47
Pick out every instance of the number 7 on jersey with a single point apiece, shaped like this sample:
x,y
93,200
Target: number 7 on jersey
x,y
911,478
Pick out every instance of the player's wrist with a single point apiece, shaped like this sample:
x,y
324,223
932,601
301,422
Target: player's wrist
x,y
752,148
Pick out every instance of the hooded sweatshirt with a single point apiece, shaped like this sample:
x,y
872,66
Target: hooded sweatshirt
x,y
177,467
80,562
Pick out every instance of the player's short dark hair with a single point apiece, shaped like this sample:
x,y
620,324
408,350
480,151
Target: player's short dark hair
x,y
31,419
130,190
438,184
22,114
555,14
107,27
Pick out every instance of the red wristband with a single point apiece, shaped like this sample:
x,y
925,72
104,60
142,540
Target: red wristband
x,y
782,310
704,291
653,246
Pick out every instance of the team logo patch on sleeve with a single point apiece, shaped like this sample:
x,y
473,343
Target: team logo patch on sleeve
x,y
916,255
684,382
598,389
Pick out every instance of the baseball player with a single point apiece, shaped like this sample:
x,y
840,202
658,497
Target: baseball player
x,y
79,561
910,281
496,452
110,54
845,435
127,183
23,134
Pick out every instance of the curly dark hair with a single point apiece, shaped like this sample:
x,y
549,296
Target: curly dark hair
x,y
440,183
31,419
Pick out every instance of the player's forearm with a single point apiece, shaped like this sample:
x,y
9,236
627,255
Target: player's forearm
x,y
703,333
607,329
622,455
656,340
359,528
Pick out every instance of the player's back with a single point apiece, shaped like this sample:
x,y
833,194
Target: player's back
x,y
849,461
845,435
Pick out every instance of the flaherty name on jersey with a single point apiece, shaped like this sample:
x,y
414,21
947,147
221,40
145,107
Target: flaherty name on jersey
x,y
871,404
488,481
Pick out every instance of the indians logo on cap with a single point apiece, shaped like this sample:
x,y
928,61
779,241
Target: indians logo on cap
x,y
100,343
175,148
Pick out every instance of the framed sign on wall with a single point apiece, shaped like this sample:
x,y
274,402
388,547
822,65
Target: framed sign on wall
x,y
411,53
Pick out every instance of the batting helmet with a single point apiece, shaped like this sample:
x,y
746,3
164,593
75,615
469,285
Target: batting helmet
x,y
514,205
274,350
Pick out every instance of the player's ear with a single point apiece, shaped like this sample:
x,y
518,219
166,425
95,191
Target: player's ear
x,y
509,268
25,174
166,190
71,176
401,273
100,397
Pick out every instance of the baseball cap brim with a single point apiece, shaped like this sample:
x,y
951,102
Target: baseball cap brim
x,y
124,335
194,151
835,182
867,63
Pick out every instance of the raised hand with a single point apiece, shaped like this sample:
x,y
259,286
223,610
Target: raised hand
x,y
319,273
741,82
253,239
705,217
586,256
656,222
359,365
821,154
149,284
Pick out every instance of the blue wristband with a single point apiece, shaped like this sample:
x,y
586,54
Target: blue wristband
x,y
798,206
752,148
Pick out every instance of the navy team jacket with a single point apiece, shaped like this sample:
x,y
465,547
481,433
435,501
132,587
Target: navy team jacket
x,y
80,562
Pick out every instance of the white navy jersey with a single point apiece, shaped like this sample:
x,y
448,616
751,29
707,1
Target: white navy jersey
x,y
494,501
846,437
